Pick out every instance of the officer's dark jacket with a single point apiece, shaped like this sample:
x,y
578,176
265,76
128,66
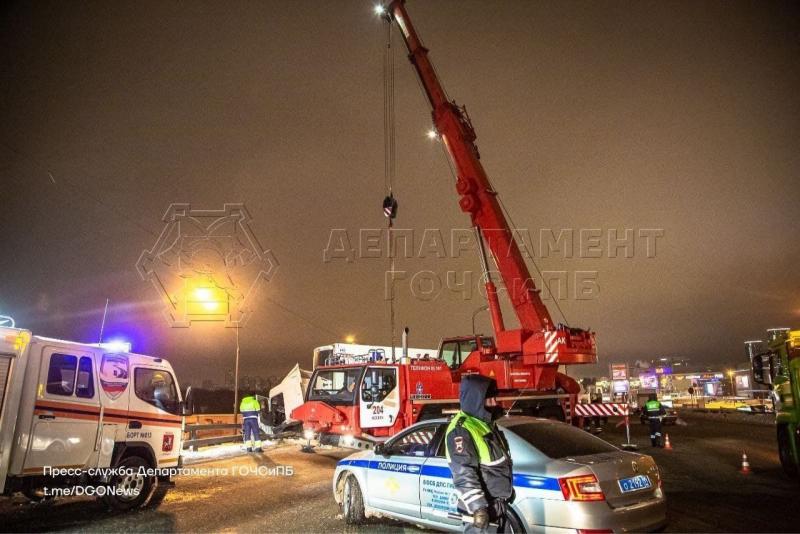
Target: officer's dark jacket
x,y
478,480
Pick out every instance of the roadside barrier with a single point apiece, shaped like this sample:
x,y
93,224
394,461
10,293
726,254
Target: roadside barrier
x,y
194,442
608,409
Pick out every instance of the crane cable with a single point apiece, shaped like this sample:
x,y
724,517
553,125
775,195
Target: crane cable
x,y
389,168
388,112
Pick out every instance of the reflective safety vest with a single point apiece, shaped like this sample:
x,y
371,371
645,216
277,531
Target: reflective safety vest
x,y
249,407
477,429
653,406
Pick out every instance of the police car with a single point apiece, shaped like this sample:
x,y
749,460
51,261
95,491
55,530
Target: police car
x,y
565,480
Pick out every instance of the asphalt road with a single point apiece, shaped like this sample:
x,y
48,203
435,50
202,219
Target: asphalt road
x,y
232,498
705,491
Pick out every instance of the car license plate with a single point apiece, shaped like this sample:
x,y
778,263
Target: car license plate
x,y
639,482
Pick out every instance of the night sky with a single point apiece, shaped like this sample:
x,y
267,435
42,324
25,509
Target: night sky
x,y
679,116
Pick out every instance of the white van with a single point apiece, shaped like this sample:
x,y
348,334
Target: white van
x,y
86,417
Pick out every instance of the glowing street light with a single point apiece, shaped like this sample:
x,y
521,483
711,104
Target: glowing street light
x,y
433,134
205,297
379,9
350,339
206,302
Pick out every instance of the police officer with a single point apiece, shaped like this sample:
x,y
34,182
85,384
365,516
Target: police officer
x,y
479,457
654,411
250,407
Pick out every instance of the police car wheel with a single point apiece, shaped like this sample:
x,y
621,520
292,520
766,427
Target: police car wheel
x,y
513,524
130,490
352,501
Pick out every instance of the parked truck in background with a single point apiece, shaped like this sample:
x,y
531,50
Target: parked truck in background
x,y
95,418
778,365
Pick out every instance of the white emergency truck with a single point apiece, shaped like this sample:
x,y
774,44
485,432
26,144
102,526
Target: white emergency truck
x,y
95,419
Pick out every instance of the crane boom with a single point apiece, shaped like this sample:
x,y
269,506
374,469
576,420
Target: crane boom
x,y
479,200
523,361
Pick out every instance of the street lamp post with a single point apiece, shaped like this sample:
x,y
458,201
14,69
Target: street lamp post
x,y
208,298
236,379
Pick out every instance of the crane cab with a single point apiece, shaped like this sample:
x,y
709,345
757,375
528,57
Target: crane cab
x,y
456,350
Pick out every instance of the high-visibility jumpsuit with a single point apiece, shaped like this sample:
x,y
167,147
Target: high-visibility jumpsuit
x,y
250,408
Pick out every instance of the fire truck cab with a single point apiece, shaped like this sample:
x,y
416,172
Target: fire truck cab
x,y
359,400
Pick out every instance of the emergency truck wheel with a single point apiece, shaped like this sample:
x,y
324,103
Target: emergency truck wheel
x,y
785,451
352,502
161,490
137,485
36,495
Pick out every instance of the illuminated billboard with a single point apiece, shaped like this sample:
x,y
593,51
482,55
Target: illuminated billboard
x,y
619,371
648,381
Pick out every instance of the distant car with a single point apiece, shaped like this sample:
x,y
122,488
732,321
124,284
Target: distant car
x,y
669,419
565,479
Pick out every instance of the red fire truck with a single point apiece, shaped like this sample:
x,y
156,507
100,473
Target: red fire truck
x,y
367,399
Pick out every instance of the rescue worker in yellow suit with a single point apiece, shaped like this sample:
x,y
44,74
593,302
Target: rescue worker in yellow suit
x,y
479,457
251,434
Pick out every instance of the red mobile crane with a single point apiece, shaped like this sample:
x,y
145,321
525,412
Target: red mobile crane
x,y
371,398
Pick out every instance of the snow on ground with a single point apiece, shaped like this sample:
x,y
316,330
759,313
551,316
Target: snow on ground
x,y
224,450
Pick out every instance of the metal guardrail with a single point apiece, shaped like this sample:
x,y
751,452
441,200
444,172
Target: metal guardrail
x,y
194,442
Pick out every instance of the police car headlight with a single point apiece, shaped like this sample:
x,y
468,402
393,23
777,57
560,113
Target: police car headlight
x,y
308,434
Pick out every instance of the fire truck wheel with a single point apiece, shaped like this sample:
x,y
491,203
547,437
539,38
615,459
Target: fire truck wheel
x,y
137,485
352,501
785,451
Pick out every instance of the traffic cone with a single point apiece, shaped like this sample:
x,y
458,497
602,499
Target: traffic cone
x,y
745,464
667,444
